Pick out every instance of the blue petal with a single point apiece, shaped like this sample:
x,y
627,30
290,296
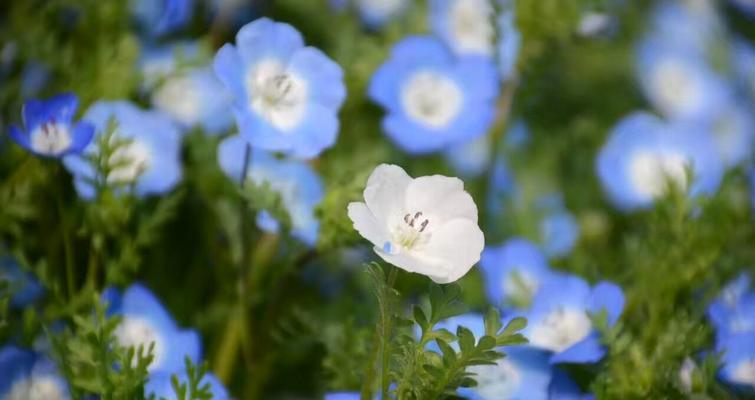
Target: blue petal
x,y
229,69
589,350
16,364
316,132
324,77
82,136
609,297
60,108
20,137
265,38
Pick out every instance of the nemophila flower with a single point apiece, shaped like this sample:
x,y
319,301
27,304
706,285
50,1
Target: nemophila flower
x,y
26,375
514,272
22,287
559,230
376,13
49,129
509,42
34,78
466,26
160,17
559,319
738,361
158,63
160,385
150,162
692,25
733,131
433,99
426,225
524,373
733,312
342,396
644,155
678,82
145,321
195,98
472,158
286,95
299,187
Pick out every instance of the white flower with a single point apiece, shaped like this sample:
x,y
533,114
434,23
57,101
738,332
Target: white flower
x,y
426,225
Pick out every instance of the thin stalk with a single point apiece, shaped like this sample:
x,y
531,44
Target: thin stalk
x,y
67,247
387,342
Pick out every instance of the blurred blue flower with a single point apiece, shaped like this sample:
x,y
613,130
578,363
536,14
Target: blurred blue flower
x,y
509,42
158,63
743,61
146,321
195,98
678,82
25,374
160,17
514,273
49,130
466,26
376,13
733,131
525,372
299,187
559,320
342,396
34,78
433,100
23,286
470,159
733,312
693,26
560,232
151,161
159,385
286,95
738,362
643,154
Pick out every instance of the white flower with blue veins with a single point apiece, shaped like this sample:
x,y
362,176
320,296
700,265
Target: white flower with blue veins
x,y
426,225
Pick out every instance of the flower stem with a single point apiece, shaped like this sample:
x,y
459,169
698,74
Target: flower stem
x,y
67,247
387,328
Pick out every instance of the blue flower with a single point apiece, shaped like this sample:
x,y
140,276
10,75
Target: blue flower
x,y
160,17
525,372
679,82
743,54
28,375
559,320
150,161
23,287
299,187
158,63
470,159
342,396
34,78
643,154
560,232
738,362
509,43
286,95
513,273
733,312
733,131
195,98
693,28
159,385
376,13
145,321
49,129
466,26
433,99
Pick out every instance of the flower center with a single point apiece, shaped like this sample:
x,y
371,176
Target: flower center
x,y
471,25
677,90
744,373
496,382
519,287
432,99
135,332
561,329
411,231
51,138
276,94
128,162
37,388
650,173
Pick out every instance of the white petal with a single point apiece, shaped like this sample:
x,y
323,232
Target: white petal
x,y
442,198
432,268
366,224
385,190
458,243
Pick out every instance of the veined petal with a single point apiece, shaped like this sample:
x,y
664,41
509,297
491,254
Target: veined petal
x,y
441,196
458,243
384,193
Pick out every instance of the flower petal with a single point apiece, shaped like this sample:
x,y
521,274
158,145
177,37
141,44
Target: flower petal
x,y
458,243
366,224
384,193
441,198
435,269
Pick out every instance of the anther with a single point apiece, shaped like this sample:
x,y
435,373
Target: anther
x,y
424,225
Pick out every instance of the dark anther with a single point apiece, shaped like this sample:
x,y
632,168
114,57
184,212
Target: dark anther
x,y
424,225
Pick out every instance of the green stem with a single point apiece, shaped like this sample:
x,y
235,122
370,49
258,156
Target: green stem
x,y
67,247
387,342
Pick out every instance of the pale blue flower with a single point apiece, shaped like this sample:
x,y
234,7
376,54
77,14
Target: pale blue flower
x,y
466,26
377,13
150,162
559,319
434,100
299,187
286,95
23,287
738,361
643,155
160,17
470,159
25,374
733,131
342,396
145,321
733,312
195,97
49,129
560,232
743,61
158,63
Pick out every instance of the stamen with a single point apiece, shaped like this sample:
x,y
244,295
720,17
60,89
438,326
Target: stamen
x,y
424,225
406,218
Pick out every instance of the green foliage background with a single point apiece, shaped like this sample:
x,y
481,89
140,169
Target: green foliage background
x,y
268,330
